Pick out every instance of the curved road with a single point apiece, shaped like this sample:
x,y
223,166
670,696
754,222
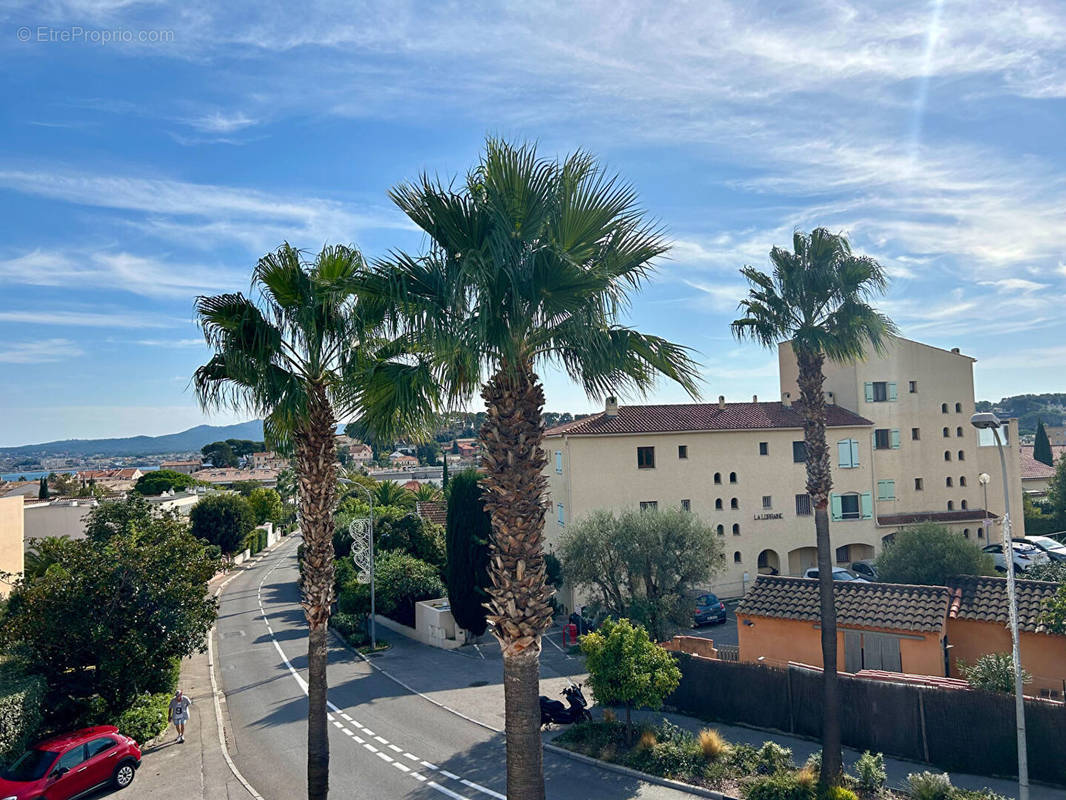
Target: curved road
x,y
385,742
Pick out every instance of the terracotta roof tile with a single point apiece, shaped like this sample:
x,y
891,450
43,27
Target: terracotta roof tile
x,y
1031,468
969,515
891,606
985,599
432,510
701,417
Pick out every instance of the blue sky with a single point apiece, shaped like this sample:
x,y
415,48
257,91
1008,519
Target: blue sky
x,y
138,172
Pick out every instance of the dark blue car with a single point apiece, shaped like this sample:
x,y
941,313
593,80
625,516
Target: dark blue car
x,y
709,609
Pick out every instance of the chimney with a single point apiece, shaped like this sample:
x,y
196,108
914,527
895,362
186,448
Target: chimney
x,y
954,350
786,400
611,408
755,398
721,401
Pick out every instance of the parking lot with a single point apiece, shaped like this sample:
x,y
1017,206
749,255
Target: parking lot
x,y
726,633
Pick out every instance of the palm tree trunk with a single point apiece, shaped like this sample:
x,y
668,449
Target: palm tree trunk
x,y
317,478
819,482
518,604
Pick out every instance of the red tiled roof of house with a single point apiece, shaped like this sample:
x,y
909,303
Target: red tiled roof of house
x,y
701,417
969,515
432,510
984,599
1031,468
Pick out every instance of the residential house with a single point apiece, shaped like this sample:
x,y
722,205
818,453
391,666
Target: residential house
x,y
1056,434
226,476
186,467
268,460
435,511
27,489
412,486
398,459
131,474
921,630
55,518
11,537
1036,475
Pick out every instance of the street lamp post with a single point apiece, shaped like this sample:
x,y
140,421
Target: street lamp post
x,y
370,547
988,420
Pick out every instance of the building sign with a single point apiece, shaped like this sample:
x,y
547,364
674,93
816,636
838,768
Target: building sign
x,y
769,516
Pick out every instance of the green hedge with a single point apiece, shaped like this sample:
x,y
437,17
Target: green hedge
x,y
255,541
146,718
21,698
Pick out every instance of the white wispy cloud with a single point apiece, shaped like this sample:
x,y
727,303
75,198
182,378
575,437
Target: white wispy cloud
x,y
219,122
39,351
87,319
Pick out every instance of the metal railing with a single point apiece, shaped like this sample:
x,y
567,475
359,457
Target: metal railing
x,y
728,652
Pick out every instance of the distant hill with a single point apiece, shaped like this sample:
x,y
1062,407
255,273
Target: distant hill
x,y
185,442
1029,409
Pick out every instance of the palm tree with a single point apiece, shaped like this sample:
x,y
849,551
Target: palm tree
x,y
529,263
817,297
390,493
428,492
301,352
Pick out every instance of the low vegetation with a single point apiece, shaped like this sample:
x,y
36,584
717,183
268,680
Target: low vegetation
x,y
929,554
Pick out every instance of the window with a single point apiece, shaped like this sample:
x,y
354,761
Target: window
x,y
734,503
958,408
732,477
720,530
947,455
946,432
718,477
962,480
918,484
843,554
799,452
736,557
962,455
848,453
886,490
686,505
980,533
886,439
764,448
951,505
736,529
913,387
71,758
718,504
649,505
767,501
958,432
559,462
880,392
98,746
561,514
645,458
965,533
682,451
947,482
803,505
943,408
963,505
851,506
916,434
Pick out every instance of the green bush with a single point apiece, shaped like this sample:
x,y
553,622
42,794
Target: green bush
x,y
21,697
146,718
929,786
782,786
976,794
837,793
870,771
814,762
773,758
744,759
351,626
993,672
354,598
403,580
670,759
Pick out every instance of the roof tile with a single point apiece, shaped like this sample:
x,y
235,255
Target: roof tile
x,y
984,599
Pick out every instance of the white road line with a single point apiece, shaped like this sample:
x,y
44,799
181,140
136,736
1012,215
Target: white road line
x,y
385,757
400,766
483,789
427,765
419,776
448,792
397,749
411,756
383,741
451,775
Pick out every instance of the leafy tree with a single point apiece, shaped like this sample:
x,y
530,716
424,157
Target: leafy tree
x,y
403,580
266,505
223,520
390,493
245,488
1054,615
108,616
817,298
642,564
404,531
1042,446
64,483
428,453
627,668
993,672
1040,519
162,480
42,492
304,350
219,454
929,554
1053,571
529,263
133,517
1056,495
468,531
245,447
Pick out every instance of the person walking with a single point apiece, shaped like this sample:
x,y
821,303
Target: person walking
x,y
179,713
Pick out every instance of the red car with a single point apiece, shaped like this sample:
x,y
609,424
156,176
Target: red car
x,y
72,765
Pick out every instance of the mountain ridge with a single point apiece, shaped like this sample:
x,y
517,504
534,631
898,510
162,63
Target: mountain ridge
x,y
186,441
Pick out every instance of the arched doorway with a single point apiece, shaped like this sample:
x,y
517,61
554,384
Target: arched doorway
x,y
769,563
802,559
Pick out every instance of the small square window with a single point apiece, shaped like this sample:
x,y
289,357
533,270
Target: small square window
x,y
767,501
916,433
919,485
645,458
649,505
803,505
764,448
913,387
880,391
799,452
881,439
682,451
686,505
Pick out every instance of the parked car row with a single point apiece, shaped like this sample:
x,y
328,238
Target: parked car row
x,y
1025,554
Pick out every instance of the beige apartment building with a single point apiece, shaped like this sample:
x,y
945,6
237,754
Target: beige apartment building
x,y
741,466
11,563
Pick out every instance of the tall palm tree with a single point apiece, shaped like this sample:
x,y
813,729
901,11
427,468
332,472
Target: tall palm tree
x,y
302,351
817,297
529,263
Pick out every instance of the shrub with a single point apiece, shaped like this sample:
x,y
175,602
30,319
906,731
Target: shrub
x,y
744,758
21,697
782,786
670,758
773,758
403,580
712,744
837,793
993,672
354,598
976,794
814,762
222,519
929,786
351,626
870,770
146,718
648,740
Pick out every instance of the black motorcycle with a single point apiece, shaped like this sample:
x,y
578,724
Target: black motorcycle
x,y
555,711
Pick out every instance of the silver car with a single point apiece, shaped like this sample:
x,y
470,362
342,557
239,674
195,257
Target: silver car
x,y
839,574
1025,556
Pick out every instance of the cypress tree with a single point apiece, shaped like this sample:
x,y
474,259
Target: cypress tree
x,y
42,493
1042,446
444,473
468,532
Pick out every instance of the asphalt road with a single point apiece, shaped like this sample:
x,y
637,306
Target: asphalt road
x,y
385,742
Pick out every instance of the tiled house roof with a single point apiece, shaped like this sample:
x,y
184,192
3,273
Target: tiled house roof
x,y
701,417
1031,468
890,606
985,599
432,510
969,515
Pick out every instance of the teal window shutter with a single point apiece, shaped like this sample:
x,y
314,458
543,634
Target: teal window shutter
x,y
562,514
867,505
886,490
844,453
854,452
895,439
559,461
891,392
836,506
869,387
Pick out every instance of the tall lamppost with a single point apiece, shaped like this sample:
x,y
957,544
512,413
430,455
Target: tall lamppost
x,y
370,550
984,479
988,420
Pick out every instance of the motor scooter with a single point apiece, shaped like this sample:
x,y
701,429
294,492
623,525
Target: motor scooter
x,y
555,711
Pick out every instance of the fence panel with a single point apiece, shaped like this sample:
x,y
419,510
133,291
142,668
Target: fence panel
x,y
732,692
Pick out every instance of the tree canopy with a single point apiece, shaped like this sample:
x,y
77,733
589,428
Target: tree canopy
x,y
468,532
223,520
162,480
929,554
266,505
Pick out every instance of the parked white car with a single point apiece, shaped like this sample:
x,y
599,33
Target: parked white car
x,y
1025,556
839,574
